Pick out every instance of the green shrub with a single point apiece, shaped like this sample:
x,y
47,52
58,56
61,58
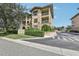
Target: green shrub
x,y
11,31
46,28
3,34
68,29
34,32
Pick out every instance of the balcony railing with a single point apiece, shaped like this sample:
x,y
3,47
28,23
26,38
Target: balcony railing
x,y
45,21
45,12
35,13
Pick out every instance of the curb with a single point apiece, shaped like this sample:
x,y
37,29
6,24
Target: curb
x,y
35,38
57,50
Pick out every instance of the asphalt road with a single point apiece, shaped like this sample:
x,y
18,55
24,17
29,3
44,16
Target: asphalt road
x,y
8,48
63,40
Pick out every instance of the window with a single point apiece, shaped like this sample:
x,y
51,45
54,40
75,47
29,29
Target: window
x,y
35,20
45,20
23,27
35,13
72,21
73,25
24,22
27,22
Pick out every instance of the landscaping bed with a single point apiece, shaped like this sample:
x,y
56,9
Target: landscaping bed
x,y
16,36
34,32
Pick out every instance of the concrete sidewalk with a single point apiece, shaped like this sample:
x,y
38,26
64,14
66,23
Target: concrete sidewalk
x,y
57,50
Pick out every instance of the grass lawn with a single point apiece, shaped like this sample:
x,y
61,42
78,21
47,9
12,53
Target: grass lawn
x,y
16,36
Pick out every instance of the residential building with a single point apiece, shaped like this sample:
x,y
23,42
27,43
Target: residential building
x,y
42,16
28,21
75,22
38,17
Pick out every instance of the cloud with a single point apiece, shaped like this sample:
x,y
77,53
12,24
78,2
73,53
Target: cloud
x,y
56,8
54,17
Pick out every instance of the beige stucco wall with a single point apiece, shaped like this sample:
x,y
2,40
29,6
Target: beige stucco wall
x,y
50,34
21,31
75,23
39,17
28,19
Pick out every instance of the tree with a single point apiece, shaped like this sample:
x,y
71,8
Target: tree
x,y
69,28
46,28
12,15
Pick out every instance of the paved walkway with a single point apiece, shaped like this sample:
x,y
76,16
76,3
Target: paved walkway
x,y
8,48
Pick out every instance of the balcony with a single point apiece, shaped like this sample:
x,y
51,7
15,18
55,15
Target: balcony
x,y
36,20
45,20
45,12
35,13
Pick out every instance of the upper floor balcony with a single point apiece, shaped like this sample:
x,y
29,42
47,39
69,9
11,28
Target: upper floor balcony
x,y
44,13
45,20
34,13
41,12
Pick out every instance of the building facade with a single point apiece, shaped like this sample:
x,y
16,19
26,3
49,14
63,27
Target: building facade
x,y
38,17
42,16
75,22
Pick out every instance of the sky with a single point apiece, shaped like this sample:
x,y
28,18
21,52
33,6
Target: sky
x,y
63,12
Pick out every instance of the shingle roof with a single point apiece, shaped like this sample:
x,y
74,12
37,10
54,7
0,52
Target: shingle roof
x,y
50,6
75,16
41,7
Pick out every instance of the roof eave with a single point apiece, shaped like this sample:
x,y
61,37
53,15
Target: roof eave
x,y
75,16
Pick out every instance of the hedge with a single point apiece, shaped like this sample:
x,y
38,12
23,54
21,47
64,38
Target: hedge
x,y
34,32
3,34
12,31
